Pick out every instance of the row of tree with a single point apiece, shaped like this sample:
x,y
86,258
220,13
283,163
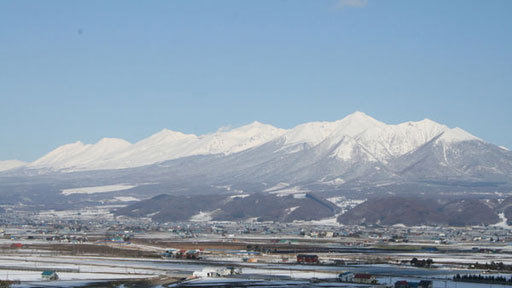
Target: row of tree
x,y
424,263
499,266
483,279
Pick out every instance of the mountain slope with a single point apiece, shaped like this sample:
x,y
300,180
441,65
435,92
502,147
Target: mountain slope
x,y
11,164
420,211
164,145
79,154
260,206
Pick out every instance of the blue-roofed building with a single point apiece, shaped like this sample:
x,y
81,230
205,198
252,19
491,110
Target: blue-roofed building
x,y
49,275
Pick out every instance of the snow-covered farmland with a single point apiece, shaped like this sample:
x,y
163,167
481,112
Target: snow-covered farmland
x,y
97,189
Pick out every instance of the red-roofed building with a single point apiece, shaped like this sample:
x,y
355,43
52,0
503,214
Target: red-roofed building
x,y
365,279
16,245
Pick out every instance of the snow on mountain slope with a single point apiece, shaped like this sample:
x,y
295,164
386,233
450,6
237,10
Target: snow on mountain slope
x,y
357,137
384,142
167,145
162,146
158,147
236,140
456,135
371,139
79,154
309,133
11,164
314,133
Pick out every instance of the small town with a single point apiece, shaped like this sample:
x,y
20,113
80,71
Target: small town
x,y
43,248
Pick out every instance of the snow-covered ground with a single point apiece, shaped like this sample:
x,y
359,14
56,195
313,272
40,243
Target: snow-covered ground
x,y
344,203
289,191
36,276
276,187
503,222
97,189
84,213
125,199
202,216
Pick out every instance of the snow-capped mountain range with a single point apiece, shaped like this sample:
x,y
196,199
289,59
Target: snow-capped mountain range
x,y
357,137
355,157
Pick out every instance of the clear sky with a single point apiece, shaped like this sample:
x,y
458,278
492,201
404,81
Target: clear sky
x,y
84,70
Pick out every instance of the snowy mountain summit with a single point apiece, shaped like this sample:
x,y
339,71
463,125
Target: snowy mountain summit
x,y
357,137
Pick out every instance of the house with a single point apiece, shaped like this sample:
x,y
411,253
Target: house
x,y
16,245
426,284
365,279
182,254
346,277
49,275
406,284
192,254
217,272
402,284
170,253
305,258
339,262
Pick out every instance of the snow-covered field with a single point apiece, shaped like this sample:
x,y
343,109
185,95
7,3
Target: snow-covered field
x,y
125,199
289,191
503,222
97,189
85,213
36,276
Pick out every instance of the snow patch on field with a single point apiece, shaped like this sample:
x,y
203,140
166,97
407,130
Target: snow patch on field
x,y
228,188
239,196
330,221
125,199
503,223
278,186
36,276
335,182
152,214
291,209
344,203
84,213
97,189
290,191
202,216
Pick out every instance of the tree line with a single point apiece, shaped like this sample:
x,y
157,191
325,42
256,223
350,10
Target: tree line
x,y
483,279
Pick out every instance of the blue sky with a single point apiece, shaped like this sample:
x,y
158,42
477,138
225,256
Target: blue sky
x,y
84,70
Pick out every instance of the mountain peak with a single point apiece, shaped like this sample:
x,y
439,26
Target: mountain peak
x,y
359,117
112,141
169,135
357,114
355,124
256,127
